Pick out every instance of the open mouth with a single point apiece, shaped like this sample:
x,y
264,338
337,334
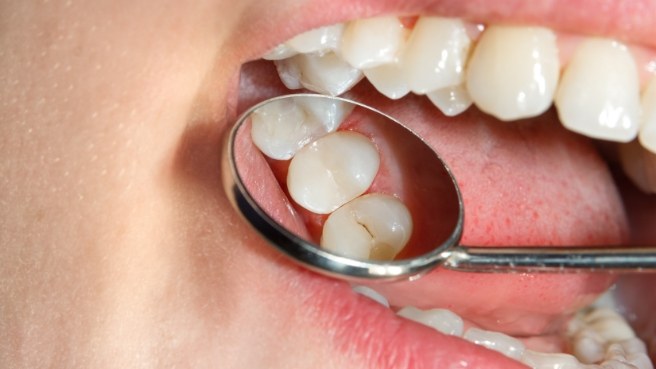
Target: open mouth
x,y
480,88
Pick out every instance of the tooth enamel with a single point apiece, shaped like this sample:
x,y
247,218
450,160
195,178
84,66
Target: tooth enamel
x,y
648,125
371,294
538,360
332,170
317,40
499,342
388,79
441,320
513,71
609,325
368,43
326,74
588,347
280,129
282,51
599,92
435,54
451,100
627,354
373,226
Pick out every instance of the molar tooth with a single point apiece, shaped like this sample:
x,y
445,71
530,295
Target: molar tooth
x,y
442,320
371,293
599,92
513,71
647,134
373,226
317,40
539,360
451,100
332,170
435,54
388,79
326,74
371,42
496,341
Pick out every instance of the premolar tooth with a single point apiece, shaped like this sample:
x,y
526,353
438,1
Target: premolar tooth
x,y
647,134
373,226
388,79
435,54
282,51
317,40
326,74
599,92
513,71
332,171
451,100
441,320
371,42
496,341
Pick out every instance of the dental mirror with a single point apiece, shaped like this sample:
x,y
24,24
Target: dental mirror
x,y
352,193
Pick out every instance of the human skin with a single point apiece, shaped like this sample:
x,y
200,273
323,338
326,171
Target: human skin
x,y
118,247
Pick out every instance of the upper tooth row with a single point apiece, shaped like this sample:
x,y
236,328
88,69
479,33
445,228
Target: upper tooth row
x,y
615,345
510,72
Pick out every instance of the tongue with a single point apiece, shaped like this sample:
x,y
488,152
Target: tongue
x,y
523,183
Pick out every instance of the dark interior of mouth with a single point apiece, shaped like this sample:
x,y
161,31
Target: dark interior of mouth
x,y
529,182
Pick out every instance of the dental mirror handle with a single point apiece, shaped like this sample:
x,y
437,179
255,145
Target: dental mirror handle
x,y
551,259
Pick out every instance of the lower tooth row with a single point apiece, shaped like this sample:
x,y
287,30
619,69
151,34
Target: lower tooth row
x,y
600,338
510,73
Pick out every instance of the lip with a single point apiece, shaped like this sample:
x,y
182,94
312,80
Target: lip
x,y
356,320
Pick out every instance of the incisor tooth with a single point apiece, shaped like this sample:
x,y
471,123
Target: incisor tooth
x,y
513,71
317,40
326,74
496,341
332,171
451,100
599,92
435,54
441,320
647,134
373,226
388,79
368,43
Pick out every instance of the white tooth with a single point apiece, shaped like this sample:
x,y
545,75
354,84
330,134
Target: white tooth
x,y
372,294
281,128
588,346
282,51
648,126
538,360
609,325
373,226
388,79
496,341
332,171
436,54
599,92
513,71
371,42
451,100
639,164
442,320
317,40
326,74
628,353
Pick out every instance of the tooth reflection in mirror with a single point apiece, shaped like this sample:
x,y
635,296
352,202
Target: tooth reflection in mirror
x,y
406,203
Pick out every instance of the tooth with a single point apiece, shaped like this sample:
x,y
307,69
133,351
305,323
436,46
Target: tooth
x,y
538,360
373,226
388,79
435,54
281,128
648,126
588,347
372,294
496,341
326,74
639,164
282,51
441,320
513,71
332,171
368,43
599,92
627,354
317,40
451,100
609,325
